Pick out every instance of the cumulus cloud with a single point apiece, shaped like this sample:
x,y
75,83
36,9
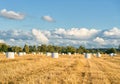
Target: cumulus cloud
x,y
114,32
81,33
48,18
99,40
12,40
2,41
39,36
90,38
11,14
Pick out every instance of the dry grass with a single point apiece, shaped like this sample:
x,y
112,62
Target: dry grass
x,y
38,69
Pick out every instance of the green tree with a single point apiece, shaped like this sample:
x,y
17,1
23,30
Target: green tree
x,y
50,48
43,48
111,50
26,48
71,49
81,50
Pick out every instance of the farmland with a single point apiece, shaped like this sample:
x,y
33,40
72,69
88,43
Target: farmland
x,y
74,69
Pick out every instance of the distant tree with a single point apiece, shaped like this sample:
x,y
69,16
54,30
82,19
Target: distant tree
x,y
111,50
15,49
3,47
57,49
50,48
43,48
71,49
39,48
81,50
26,48
63,50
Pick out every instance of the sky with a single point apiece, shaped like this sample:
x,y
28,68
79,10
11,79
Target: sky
x,y
91,23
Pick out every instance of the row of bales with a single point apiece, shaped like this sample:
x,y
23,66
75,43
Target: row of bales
x,y
88,55
69,50
11,55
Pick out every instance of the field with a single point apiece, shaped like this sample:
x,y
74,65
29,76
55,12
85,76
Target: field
x,y
36,69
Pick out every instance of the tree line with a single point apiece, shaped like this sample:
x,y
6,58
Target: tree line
x,y
52,48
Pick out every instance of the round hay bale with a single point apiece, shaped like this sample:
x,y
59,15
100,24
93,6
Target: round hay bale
x,y
111,54
69,53
87,55
98,55
55,55
20,54
10,55
48,54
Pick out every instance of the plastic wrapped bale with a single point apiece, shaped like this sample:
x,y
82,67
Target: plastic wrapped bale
x,y
111,54
34,53
114,54
3,53
87,55
10,55
63,53
41,53
98,55
24,53
75,53
20,54
48,54
69,53
15,53
55,55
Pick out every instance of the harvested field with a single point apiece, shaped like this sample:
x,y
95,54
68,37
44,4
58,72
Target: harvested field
x,y
36,69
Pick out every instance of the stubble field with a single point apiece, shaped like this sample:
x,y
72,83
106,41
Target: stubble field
x,y
74,69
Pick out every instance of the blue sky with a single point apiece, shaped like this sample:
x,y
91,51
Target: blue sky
x,y
102,14
65,21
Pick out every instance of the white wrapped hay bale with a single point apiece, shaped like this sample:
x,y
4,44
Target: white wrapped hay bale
x,y
15,53
55,55
10,55
20,54
34,53
48,54
3,53
87,55
98,55
112,54
63,53
69,53
24,53
41,53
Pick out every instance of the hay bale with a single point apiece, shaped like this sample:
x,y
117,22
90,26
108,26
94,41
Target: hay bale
x,y
69,53
87,55
55,55
98,55
48,54
34,53
10,55
20,54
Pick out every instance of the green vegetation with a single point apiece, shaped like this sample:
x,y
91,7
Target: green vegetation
x,y
52,48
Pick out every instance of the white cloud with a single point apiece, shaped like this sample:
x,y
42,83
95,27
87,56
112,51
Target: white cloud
x,y
73,37
115,32
48,18
99,40
39,36
2,41
81,33
12,40
11,14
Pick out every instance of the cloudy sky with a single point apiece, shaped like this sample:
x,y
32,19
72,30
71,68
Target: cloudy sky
x,y
91,23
